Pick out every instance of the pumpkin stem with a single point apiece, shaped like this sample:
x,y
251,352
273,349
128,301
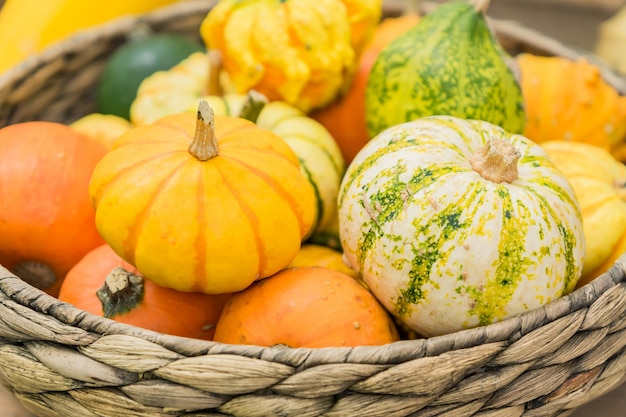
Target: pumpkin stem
x,y
496,161
122,291
35,273
204,143
480,5
253,106
213,87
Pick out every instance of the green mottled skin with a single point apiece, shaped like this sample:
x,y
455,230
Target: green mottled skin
x,y
419,204
491,300
448,64
446,225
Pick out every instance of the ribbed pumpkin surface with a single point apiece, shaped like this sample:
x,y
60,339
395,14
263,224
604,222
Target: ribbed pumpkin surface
x,y
444,248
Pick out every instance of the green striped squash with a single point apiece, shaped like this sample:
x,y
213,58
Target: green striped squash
x,y
456,223
448,64
320,158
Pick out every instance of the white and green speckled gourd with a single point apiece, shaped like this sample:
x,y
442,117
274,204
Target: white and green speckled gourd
x,y
449,64
456,223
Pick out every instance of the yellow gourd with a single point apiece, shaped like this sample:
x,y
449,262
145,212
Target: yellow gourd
x,y
599,182
103,128
299,51
202,203
28,26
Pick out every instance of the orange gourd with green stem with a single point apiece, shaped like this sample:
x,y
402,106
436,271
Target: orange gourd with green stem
x,y
104,284
202,202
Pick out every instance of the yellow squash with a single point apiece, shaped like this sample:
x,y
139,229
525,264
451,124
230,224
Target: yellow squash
x,y
298,51
599,182
202,203
28,26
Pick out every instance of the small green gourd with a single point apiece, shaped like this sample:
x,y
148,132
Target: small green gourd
x,y
450,63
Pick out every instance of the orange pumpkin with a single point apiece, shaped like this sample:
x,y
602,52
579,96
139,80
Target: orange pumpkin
x,y
569,100
203,203
46,219
104,284
345,118
305,307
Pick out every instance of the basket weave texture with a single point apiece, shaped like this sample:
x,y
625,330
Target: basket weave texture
x,y
60,361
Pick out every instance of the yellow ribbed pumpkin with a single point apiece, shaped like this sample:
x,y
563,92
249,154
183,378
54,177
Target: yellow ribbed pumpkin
x,y
202,203
180,89
599,182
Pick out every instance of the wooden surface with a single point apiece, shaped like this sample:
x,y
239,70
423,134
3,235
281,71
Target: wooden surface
x,y
574,25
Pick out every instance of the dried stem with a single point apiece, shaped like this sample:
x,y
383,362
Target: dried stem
x,y
496,161
122,292
204,143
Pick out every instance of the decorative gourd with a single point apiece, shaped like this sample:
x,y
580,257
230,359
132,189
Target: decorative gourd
x,y
320,157
456,223
209,210
345,118
448,64
569,100
599,181
46,219
318,153
311,254
296,51
172,91
363,17
305,307
103,128
104,284
132,62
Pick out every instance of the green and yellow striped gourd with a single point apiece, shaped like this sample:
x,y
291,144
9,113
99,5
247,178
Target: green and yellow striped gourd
x,y
456,223
448,64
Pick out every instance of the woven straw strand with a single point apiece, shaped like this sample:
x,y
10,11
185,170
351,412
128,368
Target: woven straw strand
x,y
422,379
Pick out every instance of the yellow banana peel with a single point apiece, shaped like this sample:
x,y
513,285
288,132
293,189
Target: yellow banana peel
x,y
28,26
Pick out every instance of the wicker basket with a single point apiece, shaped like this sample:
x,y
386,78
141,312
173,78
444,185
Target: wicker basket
x,y
60,361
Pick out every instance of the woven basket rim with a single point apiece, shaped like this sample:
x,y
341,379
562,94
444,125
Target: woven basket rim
x,y
513,327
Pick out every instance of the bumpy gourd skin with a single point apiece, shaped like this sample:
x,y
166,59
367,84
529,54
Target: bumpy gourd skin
x,y
298,51
448,64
